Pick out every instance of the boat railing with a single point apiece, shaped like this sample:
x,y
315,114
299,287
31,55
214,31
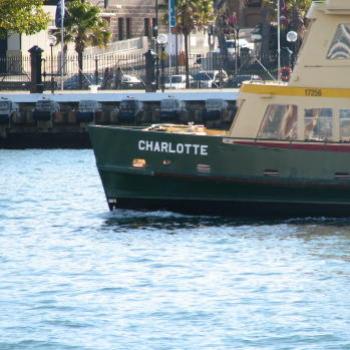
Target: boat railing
x,y
289,141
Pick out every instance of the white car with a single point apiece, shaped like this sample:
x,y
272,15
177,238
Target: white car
x,y
131,82
209,79
231,46
177,81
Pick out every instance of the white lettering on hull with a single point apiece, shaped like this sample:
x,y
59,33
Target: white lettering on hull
x,y
173,148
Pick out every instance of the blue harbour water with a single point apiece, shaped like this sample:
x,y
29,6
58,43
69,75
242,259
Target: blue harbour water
x,y
75,277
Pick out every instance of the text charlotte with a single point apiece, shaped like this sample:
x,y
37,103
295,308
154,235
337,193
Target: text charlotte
x,y
175,148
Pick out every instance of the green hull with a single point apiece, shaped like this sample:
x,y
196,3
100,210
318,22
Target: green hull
x,y
209,174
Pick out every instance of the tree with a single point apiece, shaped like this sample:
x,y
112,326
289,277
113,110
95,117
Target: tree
x,y
22,16
84,26
190,15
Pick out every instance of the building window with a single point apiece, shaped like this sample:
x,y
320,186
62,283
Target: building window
x,y
344,123
147,27
128,28
279,122
318,124
121,28
340,46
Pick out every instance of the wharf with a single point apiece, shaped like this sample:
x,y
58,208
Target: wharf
x,y
66,96
63,130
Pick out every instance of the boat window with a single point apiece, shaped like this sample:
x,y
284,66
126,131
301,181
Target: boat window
x,y
279,122
318,124
340,46
344,122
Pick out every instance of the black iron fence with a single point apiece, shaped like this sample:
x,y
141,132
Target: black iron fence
x,y
116,71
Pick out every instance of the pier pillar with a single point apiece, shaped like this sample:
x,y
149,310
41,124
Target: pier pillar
x,y
36,84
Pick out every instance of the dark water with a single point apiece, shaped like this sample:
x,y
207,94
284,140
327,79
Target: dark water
x,y
74,276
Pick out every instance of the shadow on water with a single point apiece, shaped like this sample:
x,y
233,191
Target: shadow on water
x,y
166,220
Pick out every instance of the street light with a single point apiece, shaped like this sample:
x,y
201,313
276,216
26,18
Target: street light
x,y
155,34
52,42
292,37
162,40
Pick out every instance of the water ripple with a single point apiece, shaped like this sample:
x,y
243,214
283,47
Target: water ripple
x,y
75,277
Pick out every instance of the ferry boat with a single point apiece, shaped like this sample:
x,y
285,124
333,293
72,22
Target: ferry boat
x,y
286,153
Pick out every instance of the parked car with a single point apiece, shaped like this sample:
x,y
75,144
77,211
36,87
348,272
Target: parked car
x,y
237,81
242,44
209,79
131,82
177,81
88,79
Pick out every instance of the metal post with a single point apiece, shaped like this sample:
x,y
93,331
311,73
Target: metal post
x,y
278,39
96,70
176,54
162,67
52,80
236,56
62,42
169,43
157,45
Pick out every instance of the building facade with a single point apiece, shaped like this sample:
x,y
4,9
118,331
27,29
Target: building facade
x,y
248,12
130,18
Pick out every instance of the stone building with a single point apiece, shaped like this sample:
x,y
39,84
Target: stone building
x,y
134,18
130,18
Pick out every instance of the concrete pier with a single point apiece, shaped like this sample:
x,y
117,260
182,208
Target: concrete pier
x,y
56,121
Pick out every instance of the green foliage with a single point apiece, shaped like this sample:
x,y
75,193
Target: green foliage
x,y
22,16
84,26
193,14
301,6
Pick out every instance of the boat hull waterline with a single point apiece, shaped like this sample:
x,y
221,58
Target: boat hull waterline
x,y
221,175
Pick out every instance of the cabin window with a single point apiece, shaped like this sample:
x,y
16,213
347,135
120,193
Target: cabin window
x,y
279,122
340,46
318,124
344,123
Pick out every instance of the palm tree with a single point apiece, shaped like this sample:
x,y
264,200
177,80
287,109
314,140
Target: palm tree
x,y
84,26
190,15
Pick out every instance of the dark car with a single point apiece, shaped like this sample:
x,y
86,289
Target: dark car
x,y
236,81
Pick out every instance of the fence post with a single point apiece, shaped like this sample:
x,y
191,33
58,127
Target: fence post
x,y
36,85
96,70
150,58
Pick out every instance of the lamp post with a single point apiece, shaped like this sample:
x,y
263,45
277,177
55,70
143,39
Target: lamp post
x,y
52,41
237,53
292,37
162,40
155,34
